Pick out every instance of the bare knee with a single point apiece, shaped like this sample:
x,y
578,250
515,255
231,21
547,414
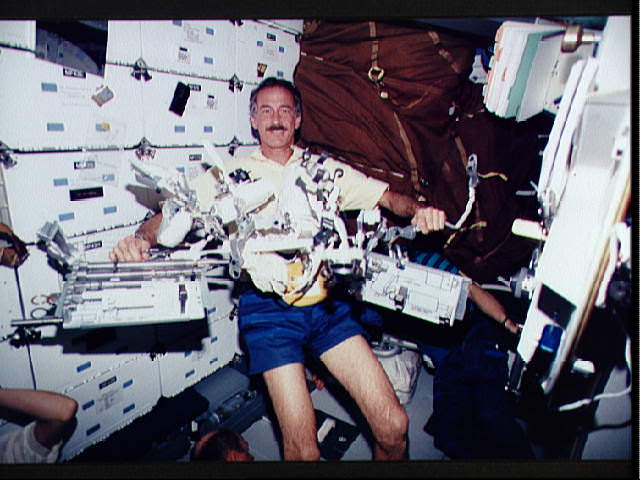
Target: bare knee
x,y
391,434
301,452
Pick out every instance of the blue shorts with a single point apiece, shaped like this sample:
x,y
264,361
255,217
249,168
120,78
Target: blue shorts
x,y
275,333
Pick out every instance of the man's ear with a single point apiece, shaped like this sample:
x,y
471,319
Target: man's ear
x,y
254,124
298,121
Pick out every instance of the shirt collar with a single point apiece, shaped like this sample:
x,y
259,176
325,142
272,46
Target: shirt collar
x,y
296,155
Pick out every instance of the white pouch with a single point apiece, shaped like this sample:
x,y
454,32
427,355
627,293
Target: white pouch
x,y
402,367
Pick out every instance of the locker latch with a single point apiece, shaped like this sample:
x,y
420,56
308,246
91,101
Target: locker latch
x,y
6,156
235,82
140,69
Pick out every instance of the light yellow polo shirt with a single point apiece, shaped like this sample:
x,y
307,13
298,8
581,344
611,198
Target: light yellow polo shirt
x,y
357,192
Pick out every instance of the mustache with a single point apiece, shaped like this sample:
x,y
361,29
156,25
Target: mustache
x,y
275,127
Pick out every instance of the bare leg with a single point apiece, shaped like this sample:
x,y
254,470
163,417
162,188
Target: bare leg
x,y
294,409
356,367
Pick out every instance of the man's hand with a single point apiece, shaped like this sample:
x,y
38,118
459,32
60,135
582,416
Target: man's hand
x,y
130,249
428,219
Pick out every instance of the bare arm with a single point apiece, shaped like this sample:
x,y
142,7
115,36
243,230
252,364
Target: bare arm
x,y
135,248
426,219
492,307
52,411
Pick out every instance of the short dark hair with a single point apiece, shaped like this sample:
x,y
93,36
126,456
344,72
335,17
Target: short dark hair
x,y
276,82
218,446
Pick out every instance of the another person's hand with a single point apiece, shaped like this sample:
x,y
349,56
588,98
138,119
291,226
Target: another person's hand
x,y
130,249
512,326
428,219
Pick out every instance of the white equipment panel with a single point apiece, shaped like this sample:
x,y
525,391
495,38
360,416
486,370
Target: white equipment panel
x,y
207,113
204,48
46,106
134,303
111,401
81,190
18,33
264,51
423,292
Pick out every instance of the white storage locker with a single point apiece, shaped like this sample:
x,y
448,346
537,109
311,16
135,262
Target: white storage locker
x,y
16,369
9,299
242,122
80,190
186,160
118,121
290,25
70,357
111,401
207,112
38,282
18,33
204,48
124,42
44,105
190,359
265,51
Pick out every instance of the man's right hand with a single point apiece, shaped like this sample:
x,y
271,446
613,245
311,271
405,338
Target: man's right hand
x,y
130,249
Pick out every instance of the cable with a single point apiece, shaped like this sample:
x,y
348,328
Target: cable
x,y
587,401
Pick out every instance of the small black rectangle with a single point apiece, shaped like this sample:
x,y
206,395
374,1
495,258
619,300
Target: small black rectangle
x,y
93,245
72,72
108,382
195,157
554,306
195,87
180,97
85,193
84,164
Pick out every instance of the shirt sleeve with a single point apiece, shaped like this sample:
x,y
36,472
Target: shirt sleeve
x,y
357,190
21,446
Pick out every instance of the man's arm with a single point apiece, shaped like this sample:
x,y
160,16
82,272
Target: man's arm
x,y
134,248
426,219
52,411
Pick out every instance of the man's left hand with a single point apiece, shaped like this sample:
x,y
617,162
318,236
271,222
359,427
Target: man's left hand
x,y
428,219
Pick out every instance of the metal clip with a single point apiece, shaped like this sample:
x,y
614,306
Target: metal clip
x,y
472,170
233,144
235,82
140,69
144,149
375,74
6,156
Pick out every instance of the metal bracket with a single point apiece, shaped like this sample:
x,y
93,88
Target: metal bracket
x,y
6,156
233,144
140,70
235,82
145,150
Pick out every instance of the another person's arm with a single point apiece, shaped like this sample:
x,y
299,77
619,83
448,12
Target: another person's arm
x,y
492,307
52,411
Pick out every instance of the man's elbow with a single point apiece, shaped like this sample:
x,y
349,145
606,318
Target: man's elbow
x,y
68,410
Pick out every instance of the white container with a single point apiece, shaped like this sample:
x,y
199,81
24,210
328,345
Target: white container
x,y
18,33
265,51
111,401
82,191
208,112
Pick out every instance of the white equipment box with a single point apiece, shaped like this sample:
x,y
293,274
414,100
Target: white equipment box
x,y
423,292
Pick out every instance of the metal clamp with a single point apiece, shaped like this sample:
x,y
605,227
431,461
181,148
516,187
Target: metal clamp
x,y
6,156
375,74
140,70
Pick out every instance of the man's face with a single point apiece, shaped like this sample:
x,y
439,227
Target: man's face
x,y
275,117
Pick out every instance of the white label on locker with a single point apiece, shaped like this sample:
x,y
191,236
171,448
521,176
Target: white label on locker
x,y
191,34
108,400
